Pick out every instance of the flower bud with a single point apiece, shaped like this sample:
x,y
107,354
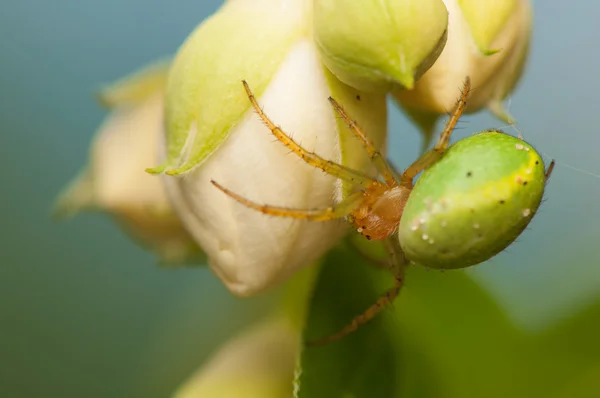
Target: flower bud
x,y
258,363
378,46
214,134
114,180
487,41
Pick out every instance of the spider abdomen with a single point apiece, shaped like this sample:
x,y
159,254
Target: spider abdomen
x,y
472,203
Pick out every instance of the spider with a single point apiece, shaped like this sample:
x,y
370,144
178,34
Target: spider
x,y
374,209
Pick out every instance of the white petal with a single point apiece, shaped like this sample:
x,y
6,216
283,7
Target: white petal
x,y
121,153
114,179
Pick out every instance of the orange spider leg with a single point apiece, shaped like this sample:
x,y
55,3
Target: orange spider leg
x,y
379,161
399,263
340,210
433,155
329,167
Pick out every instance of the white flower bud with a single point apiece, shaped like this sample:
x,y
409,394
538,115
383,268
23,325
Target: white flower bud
x,y
259,363
487,41
114,180
213,134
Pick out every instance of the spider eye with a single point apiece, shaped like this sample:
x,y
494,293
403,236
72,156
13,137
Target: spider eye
x,y
472,203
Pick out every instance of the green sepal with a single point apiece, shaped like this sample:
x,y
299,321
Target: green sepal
x,y
369,110
136,87
380,46
204,91
486,19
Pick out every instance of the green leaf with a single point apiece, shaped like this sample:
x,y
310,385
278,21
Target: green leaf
x,y
568,356
585,384
361,364
444,337
471,343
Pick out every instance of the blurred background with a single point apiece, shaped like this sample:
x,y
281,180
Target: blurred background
x,y
84,311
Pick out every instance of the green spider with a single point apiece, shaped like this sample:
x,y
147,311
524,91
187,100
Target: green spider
x,y
473,199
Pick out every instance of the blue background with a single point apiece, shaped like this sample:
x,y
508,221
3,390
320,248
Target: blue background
x,y
84,311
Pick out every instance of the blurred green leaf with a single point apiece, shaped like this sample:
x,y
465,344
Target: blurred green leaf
x,y
444,337
473,348
568,355
363,363
585,385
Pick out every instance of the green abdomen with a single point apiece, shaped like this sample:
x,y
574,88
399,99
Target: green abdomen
x,y
473,202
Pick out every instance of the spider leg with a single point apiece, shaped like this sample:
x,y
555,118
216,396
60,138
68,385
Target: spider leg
x,y
399,264
433,155
329,167
397,174
340,210
376,158
549,171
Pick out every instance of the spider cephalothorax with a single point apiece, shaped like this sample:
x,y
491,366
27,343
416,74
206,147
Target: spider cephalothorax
x,y
378,216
